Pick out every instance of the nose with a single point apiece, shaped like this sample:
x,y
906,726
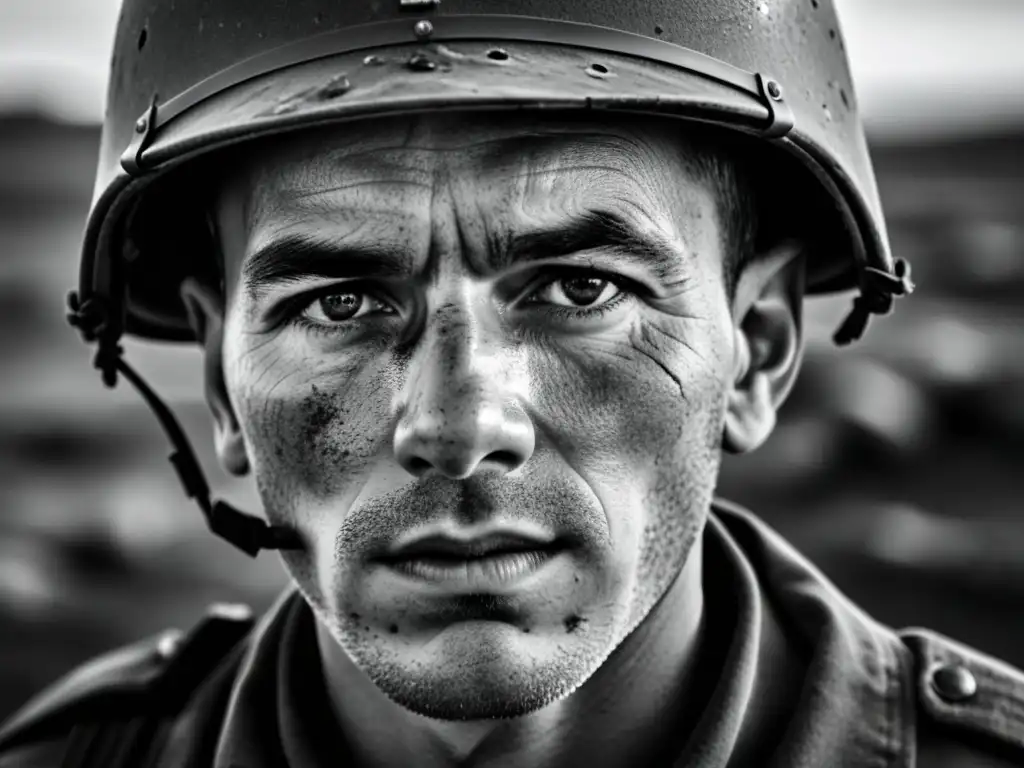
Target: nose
x,y
460,410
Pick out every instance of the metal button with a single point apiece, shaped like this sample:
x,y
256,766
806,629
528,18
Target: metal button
x,y
954,682
168,644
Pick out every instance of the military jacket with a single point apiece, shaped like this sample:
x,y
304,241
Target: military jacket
x,y
234,693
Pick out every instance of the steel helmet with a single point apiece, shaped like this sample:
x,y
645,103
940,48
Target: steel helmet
x,y
192,77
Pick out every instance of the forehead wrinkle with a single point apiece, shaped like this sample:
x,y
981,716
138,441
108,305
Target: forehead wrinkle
x,y
645,204
592,147
304,197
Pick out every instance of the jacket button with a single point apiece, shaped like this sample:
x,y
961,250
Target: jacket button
x,y
954,682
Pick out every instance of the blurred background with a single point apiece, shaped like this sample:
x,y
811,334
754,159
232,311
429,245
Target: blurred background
x,y
898,465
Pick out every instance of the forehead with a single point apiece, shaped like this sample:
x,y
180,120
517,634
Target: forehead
x,y
643,161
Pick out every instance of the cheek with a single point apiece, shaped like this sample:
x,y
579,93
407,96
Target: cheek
x,y
639,416
642,397
312,430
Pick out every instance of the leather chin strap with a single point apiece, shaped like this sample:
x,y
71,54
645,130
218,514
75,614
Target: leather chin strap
x,y
246,532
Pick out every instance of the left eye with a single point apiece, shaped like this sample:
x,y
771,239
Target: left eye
x,y
348,305
581,291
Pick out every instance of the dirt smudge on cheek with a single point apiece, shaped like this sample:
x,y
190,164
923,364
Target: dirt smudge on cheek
x,y
573,623
311,431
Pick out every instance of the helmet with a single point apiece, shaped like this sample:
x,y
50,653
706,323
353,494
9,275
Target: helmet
x,y
192,77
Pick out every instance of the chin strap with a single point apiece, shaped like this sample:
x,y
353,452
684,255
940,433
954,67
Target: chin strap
x,y
247,532
878,291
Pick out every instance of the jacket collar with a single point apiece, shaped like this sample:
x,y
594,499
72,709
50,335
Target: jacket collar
x,y
857,701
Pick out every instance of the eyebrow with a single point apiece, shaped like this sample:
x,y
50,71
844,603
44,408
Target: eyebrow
x,y
595,230
296,257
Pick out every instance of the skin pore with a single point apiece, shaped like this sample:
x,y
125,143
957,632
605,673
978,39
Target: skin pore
x,y
440,323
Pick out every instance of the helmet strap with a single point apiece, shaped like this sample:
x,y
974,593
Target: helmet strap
x,y
246,532
878,290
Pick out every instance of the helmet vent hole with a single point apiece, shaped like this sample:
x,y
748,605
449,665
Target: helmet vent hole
x,y
599,71
143,35
658,29
497,54
814,3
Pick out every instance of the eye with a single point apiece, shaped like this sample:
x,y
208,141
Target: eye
x,y
340,306
577,291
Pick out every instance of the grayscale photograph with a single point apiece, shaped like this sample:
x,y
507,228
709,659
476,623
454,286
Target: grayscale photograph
x,y
511,384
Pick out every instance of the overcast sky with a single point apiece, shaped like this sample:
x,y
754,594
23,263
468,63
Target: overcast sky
x,y
920,65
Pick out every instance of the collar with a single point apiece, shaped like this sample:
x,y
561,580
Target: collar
x,y
856,704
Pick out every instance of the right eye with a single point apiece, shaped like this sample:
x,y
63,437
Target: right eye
x,y
338,307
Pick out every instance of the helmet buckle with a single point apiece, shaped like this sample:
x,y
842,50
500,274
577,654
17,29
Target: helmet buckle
x,y
131,160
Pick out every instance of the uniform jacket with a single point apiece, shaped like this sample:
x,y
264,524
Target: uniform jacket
x,y
227,693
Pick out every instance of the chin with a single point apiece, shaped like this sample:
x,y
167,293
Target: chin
x,y
480,671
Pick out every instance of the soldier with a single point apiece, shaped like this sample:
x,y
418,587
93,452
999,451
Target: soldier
x,y
485,290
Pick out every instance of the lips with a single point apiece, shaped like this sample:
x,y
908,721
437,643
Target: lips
x,y
494,561
450,548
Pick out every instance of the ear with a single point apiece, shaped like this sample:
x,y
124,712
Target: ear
x,y
768,327
205,307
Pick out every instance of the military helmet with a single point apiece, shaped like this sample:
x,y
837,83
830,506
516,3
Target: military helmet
x,y
192,77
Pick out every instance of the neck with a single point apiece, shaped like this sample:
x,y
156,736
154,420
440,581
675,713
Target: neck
x,y
627,713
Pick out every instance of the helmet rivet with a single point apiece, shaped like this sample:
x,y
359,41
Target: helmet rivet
x,y
423,28
774,90
141,125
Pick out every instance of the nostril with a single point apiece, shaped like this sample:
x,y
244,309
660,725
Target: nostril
x,y
505,458
417,465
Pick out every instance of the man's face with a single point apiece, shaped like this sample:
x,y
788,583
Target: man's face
x,y
446,329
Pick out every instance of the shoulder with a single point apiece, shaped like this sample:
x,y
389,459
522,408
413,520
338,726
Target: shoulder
x,y
970,705
149,679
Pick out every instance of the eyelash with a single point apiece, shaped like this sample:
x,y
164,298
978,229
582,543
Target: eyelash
x,y
295,314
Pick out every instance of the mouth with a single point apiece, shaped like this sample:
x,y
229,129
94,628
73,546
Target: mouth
x,y
493,561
